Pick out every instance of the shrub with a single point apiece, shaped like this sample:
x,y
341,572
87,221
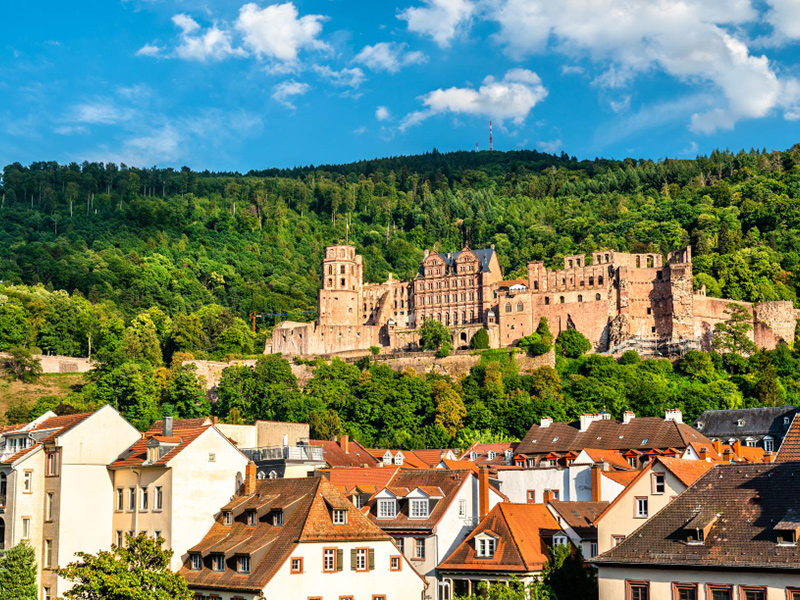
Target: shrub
x,y
572,343
444,351
480,341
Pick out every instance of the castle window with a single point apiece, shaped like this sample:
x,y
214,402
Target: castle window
x,y
463,317
520,307
343,283
342,270
580,298
638,262
570,264
536,285
649,262
606,257
546,300
561,299
597,297
591,280
330,269
330,282
508,306
600,280
649,311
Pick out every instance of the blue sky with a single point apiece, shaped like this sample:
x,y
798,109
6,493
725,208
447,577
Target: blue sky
x,y
237,85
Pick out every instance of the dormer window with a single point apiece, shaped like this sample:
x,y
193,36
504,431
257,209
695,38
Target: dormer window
x,y
196,562
560,539
227,518
786,421
244,564
491,454
152,454
700,425
419,509
786,529
786,538
339,516
740,423
276,518
218,562
387,508
387,458
398,458
358,501
485,546
251,518
473,455
509,454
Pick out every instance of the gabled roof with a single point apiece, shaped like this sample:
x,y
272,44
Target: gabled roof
x,y
158,426
790,447
371,479
136,455
483,449
755,421
739,503
334,455
641,433
43,432
579,515
521,547
611,457
621,477
410,459
306,505
483,255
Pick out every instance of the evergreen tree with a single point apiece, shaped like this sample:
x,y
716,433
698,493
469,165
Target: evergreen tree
x,y
18,573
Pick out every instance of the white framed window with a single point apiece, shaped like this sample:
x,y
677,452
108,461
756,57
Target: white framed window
x,y
616,540
339,516
120,499
491,454
119,539
227,518
145,495
485,546
329,560
419,509
27,482
197,562
48,554
769,444
593,550
387,508
277,518
395,563
157,534
49,506
560,540
399,458
400,544
641,508
361,559
659,483
358,501
387,458
218,562
131,498
26,528
419,548
473,455
212,457
244,564
462,509
251,518
47,594
159,498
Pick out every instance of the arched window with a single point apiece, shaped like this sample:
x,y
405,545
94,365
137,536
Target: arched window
x,y
591,280
520,307
546,300
600,280
580,298
536,285
597,297
649,262
330,282
508,306
561,299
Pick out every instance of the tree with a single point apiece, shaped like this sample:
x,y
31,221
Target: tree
x,y
326,425
14,327
140,341
572,343
540,341
567,575
20,364
433,334
138,571
450,409
186,392
18,573
515,590
480,341
731,335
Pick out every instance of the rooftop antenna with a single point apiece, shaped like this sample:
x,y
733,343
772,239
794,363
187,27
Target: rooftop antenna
x,y
476,146
490,137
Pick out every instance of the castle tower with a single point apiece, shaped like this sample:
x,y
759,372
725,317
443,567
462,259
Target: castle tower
x,y
340,293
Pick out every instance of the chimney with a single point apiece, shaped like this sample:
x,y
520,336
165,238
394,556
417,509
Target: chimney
x,y
737,448
628,416
166,429
546,422
548,496
703,453
597,478
673,414
215,420
717,446
250,478
345,444
587,420
483,493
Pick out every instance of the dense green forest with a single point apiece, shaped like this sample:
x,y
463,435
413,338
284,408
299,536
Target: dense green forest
x,y
137,266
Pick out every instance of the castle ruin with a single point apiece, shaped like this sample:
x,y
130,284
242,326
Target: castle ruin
x,y
620,301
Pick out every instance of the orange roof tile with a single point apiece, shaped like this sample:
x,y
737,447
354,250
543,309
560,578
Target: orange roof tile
x,y
612,457
687,471
334,455
136,455
352,477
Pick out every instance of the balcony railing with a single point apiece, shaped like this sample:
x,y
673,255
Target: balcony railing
x,y
301,453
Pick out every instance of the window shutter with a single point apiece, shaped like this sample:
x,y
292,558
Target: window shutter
x,y
372,559
353,559
339,559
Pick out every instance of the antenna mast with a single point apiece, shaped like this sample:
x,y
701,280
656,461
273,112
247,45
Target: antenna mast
x,y
490,137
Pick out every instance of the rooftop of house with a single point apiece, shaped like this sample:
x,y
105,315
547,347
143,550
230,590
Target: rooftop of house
x,y
613,458
157,428
344,452
523,533
640,433
21,439
488,453
166,448
719,452
790,447
306,506
403,458
732,517
370,480
746,421
579,515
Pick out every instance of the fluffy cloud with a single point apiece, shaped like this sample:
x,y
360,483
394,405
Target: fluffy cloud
x,y
687,39
511,98
440,19
278,32
388,56
284,92
382,113
784,17
101,112
344,78
202,45
149,50
551,147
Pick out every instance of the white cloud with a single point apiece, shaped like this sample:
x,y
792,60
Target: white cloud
x,y
285,91
278,32
690,150
360,130
382,113
389,56
511,98
688,39
344,78
571,70
551,147
195,44
784,17
149,50
440,19
70,130
620,105
101,112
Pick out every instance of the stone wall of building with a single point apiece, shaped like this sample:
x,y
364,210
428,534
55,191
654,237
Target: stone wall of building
x,y
62,364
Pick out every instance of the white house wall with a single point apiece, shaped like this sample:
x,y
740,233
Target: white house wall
x,y
573,483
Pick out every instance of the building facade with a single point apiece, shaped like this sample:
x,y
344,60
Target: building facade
x,y
619,301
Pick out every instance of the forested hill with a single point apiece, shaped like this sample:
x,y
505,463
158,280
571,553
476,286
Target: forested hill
x,y
131,240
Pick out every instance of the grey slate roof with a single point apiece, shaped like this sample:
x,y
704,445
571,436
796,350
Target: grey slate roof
x,y
742,505
757,421
484,256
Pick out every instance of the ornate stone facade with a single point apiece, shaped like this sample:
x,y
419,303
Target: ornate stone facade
x,y
619,301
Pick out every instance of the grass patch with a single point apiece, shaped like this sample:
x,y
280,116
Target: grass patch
x,y
51,384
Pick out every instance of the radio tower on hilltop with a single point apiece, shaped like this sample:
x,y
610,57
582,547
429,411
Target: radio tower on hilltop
x,y
490,136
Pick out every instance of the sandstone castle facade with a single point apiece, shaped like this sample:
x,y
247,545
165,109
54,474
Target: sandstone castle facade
x,y
620,301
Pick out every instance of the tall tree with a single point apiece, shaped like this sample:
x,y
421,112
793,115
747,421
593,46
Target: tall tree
x,y
18,573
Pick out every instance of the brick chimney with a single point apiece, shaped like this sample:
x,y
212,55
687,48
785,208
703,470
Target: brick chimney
x,y
483,493
597,478
250,478
345,444
737,448
717,446
628,416
548,496
546,422
166,429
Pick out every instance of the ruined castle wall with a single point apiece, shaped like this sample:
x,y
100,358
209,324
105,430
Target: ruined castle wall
x,y
62,364
708,312
774,322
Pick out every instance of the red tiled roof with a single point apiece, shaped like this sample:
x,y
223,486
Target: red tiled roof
x,y
374,478
521,530
790,446
335,456
56,425
507,283
136,455
177,424
611,457
621,477
410,460
687,471
579,515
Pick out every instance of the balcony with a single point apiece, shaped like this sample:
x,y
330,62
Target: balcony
x,y
293,453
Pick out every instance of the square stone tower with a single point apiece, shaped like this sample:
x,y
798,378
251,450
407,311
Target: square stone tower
x,y
340,294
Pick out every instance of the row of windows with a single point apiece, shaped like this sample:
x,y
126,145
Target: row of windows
x,y
640,590
417,508
120,540
242,563
144,498
446,284
419,547
465,318
439,299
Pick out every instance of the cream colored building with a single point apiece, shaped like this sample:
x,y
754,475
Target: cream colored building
x,y
658,484
172,482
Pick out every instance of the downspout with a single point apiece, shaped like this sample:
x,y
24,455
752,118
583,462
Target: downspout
x,y
136,501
